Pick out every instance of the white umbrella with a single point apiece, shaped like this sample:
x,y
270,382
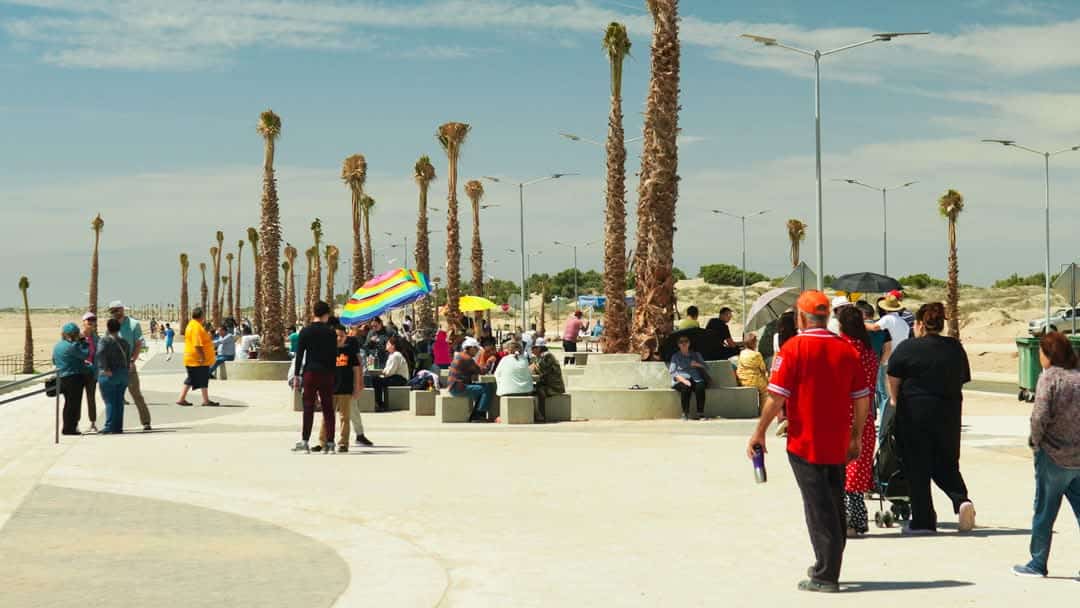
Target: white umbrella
x,y
771,305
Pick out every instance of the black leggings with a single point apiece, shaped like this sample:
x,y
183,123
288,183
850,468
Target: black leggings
x,y
72,388
380,384
929,435
698,388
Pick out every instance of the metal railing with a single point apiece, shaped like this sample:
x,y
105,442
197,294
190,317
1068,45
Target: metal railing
x,y
46,376
13,364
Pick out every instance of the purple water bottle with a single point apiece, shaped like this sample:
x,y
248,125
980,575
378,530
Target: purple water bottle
x,y
759,465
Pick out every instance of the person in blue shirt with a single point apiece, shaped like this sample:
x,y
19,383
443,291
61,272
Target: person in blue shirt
x,y
69,358
225,344
170,333
131,332
112,361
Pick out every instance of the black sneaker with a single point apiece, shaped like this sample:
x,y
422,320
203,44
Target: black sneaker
x,y
364,441
146,427
818,586
316,448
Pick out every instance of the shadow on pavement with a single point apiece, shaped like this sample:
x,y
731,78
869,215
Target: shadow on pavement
x,y
949,530
863,586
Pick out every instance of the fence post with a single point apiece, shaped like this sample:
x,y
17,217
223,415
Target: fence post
x,y
57,436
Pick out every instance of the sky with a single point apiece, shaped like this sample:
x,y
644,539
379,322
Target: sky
x,y
145,111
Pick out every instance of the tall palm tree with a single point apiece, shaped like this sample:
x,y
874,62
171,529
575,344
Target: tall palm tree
x,y
309,287
317,234
96,225
288,296
475,191
184,265
257,314
203,290
237,305
950,205
290,285
28,339
354,174
659,187
366,204
542,326
220,250
332,256
230,303
796,232
616,336
273,334
452,136
221,302
424,174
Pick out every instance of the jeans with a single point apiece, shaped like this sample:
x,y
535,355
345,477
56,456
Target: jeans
x,y
1051,483
822,488
221,359
112,393
479,394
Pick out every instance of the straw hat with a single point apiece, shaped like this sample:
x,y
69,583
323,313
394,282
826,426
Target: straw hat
x,y
890,303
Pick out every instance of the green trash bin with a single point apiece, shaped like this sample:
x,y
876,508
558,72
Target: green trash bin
x,y
1029,367
1075,340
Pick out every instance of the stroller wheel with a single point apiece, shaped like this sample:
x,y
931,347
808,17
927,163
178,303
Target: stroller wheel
x,y
888,520
878,520
1022,395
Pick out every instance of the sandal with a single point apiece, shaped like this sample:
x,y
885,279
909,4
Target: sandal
x,y
183,402
211,404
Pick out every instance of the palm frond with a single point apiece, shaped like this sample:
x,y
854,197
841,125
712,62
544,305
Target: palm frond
x,y
269,125
474,189
616,41
354,170
423,170
452,134
184,260
24,283
951,204
97,223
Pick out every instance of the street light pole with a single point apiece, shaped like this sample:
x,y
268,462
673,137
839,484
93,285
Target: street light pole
x,y
1046,167
817,55
743,219
884,216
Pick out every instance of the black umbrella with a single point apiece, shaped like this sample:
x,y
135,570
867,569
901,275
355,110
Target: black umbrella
x,y
706,342
865,282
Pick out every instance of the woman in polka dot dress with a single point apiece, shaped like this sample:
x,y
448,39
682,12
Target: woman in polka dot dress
x,y
860,476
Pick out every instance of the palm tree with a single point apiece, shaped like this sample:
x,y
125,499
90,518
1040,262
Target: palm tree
x,y
616,337
332,256
950,205
288,296
452,136
231,304
659,187
424,174
542,326
203,291
183,292
217,312
96,225
475,191
257,315
221,303
317,233
796,232
273,334
290,285
366,203
28,340
354,173
309,287
237,305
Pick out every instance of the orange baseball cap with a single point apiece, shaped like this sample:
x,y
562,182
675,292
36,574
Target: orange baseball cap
x,y
813,303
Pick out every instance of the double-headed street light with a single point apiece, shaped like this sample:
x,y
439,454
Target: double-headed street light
x,y
586,140
521,222
884,216
742,218
575,246
817,55
1046,165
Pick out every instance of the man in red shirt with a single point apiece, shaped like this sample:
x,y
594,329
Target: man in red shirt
x,y
817,376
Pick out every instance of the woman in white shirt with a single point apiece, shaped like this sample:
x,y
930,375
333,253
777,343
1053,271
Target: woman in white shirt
x,y
513,378
394,373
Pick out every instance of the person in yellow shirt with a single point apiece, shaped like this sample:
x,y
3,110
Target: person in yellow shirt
x,y
751,369
198,357
690,321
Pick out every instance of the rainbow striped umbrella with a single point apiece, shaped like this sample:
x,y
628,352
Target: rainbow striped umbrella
x,y
392,289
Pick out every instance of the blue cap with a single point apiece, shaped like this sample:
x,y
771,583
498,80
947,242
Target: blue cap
x,y
69,329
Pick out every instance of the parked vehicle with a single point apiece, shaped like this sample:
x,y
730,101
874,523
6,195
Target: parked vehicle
x,y
1061,320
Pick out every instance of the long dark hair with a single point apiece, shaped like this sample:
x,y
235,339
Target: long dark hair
x,y
852,324
786,327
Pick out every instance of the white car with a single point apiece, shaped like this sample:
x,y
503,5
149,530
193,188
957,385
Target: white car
x,y
1061,320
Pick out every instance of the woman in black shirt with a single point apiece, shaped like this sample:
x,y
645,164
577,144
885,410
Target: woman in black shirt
x,y
926,379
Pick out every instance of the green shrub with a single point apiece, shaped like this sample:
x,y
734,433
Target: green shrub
x,y
726,274
920,281
1014,280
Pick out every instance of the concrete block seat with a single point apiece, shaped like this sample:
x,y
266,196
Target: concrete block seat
x,y
452,409
397,398
366,403
603,391
518,410
250,369
422,403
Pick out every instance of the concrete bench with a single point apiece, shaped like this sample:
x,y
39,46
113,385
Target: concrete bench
x,y
656,402
557,408
422,403
452,409
366,403
397,398
518,410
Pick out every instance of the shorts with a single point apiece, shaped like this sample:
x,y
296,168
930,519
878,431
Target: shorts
x,y
199,377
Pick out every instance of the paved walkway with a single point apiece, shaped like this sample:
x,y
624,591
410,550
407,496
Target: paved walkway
x,y
658,513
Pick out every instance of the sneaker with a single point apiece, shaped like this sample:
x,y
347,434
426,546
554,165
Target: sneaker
x,y
146,427
818,586
966,517
907,530
93,428
328,447
1027,571
302,446
364,441
316,448
343,448
684,418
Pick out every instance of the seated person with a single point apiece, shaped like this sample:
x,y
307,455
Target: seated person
x,y
513,378
719,326
751,369
394,373
225,343
489,356
550,372
691,319
463,371
688,375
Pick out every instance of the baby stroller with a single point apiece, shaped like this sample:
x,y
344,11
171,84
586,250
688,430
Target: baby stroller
x,y
889,482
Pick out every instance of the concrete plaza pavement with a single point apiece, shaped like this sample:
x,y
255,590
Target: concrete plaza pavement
x,y
215,508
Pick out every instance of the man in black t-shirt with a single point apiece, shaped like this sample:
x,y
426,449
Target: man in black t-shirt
x,y
722,333
316,353
348,383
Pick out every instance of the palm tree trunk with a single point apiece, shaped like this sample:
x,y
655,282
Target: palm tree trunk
x,y
453,250
94,276
28,338
215,314
426,313
183,298
330,287
369,270
290,296
204,292
477,262
953,292
794,253
616,336
237,304
658,189
229,293
316,287
358,253
542,325
273,334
